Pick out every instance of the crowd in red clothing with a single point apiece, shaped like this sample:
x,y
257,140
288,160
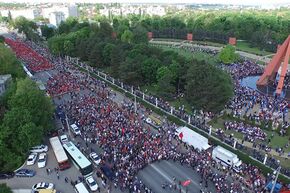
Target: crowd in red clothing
x,y
34,61
61,83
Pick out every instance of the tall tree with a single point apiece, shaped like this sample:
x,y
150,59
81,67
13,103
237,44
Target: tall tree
x,y
207,87
127,36
228,55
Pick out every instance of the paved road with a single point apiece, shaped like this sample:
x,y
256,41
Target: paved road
x,y
164,171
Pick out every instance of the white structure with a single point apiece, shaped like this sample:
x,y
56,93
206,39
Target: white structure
x,y
68,11
226,158
192,138
55,18
154,10
4,82
136,10
27,13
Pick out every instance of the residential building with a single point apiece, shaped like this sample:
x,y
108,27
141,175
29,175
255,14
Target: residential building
x,y
55,18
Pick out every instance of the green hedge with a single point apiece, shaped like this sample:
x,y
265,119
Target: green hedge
x,y
244,157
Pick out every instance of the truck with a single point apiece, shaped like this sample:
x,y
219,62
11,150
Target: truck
x,y
226,158
192,138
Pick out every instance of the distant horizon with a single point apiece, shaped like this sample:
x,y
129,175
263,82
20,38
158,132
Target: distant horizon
x,y
223,2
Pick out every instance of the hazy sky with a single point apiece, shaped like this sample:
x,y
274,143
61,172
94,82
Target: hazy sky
x,y
244,2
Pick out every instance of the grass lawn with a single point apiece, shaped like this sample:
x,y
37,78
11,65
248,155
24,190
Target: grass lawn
x,y
245,46
198,55
284,161
241,46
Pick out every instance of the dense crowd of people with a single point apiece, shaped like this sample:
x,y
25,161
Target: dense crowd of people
x,y
129,145
252,133
32,59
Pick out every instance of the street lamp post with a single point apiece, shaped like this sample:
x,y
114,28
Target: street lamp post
x,y
275,180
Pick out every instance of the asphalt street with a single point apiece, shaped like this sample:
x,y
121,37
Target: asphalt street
x,y
165,171
153,175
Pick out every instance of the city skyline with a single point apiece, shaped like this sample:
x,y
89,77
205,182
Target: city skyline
x,y
245,2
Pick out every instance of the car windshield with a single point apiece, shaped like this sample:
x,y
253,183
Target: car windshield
x,y
30,159
92,183
41,160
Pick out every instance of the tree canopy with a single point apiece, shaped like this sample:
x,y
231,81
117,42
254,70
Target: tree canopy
x,y
27,27
5,189
9,63
228,55
207,87
24,124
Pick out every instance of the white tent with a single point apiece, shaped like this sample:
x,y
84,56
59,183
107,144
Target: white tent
x,y
192,138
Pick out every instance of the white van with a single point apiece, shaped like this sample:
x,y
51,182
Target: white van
x,y
80,188
226,158
75,129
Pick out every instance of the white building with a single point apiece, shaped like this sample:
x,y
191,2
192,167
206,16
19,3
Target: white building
x,y
55,18
68,11
27,13
136,10
4,82
155,10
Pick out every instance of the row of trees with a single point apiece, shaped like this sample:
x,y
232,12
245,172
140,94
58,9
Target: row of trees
x,y
263,29
23,122
130,58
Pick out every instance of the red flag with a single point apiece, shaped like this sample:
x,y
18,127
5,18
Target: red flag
x,y
123,131
181,135
186,183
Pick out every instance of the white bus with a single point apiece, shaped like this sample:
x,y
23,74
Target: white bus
x,y
78,158
60,155
80,188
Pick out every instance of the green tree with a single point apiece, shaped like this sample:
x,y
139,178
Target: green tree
x,y
9,64
47,32
28,96
207,87
27,27
228,55
140,34
5,189
117,56
149,68
127,36
96,55
107,53
2,39
165,88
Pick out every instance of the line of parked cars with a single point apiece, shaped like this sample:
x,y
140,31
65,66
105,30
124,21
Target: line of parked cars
x,y
41,163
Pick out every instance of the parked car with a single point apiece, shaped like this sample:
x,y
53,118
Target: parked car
x,y
39,149
25,173
41,163
64,138
95,158
75,129
91,182
108,172
31,159
42,185
7,175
